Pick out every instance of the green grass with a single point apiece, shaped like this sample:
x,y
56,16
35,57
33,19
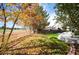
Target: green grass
x,y
52,35
60,46
1,30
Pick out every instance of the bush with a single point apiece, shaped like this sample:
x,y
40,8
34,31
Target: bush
x,y
77,33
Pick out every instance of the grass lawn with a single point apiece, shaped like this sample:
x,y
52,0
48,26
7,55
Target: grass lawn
x,y
40,44
36,44
7,30
1,30
55,35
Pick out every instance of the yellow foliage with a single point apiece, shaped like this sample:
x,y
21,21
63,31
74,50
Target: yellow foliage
x,y
23,16
0,11
15,13
10,4
11,18
24,5
38,17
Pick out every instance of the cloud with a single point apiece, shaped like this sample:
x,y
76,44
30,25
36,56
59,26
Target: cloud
x,y
1,24
49,7
17,26
51,19
10,24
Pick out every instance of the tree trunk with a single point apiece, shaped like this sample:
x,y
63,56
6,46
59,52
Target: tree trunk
x,y
34,30
4,29
12,29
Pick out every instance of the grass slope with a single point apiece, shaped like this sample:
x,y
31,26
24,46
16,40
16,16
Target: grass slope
x,y
37,44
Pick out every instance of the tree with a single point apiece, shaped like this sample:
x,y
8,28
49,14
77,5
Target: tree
x,y
42,16
68,15
4,19
4,14
16,14
9,12
34,17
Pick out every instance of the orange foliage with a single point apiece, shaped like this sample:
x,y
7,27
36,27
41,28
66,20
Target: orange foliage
x,y
0,12
38,17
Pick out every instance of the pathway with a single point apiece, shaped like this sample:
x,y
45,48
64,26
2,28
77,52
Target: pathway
x,y
72,50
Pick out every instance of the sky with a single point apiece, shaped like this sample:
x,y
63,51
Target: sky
x,y
49,7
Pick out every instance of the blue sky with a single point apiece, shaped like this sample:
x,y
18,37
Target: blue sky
x,y
49,7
